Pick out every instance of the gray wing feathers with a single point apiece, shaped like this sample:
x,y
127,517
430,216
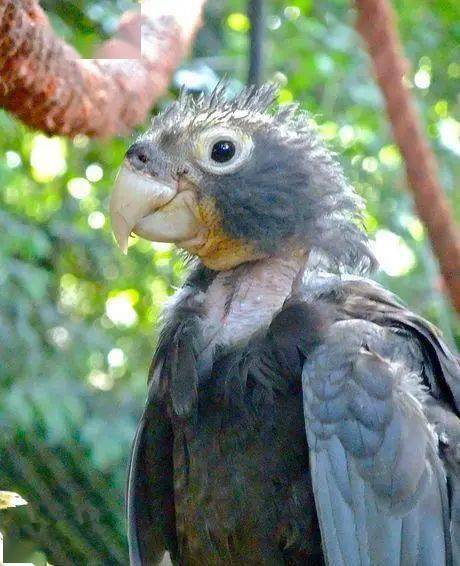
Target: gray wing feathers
x,y
447,426
149,498
134,550
353,533
379,484
455,523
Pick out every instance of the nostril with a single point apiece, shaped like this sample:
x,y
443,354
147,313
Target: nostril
x,y
138,155
143,158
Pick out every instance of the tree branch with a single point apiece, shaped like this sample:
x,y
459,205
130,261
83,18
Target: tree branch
x,y
376,24
45,82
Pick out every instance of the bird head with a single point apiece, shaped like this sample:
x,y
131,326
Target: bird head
x,y
232,181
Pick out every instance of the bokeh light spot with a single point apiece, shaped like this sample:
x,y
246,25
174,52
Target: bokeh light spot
x,y
347,134
280,79
96,220
79,187
238,22
389,156
59,336
291,13
116,358
441,108
393,254
422,79
47,158
94,172
329,130
370,164
13,159
101,380
413,226
449,133
285,96
274,23
120,311
80,141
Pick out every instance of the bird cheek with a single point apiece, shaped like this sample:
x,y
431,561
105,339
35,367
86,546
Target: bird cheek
x,y
176,222
220,251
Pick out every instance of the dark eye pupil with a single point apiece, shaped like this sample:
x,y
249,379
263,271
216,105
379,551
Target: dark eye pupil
x,y
223,151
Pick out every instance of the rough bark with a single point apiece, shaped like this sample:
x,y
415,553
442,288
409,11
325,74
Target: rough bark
x,y
47,84
376,24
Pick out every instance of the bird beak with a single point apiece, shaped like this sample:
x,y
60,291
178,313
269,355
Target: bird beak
x,y
152,208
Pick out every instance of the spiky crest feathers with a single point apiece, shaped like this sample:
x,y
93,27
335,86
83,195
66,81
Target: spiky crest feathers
x,y
252,105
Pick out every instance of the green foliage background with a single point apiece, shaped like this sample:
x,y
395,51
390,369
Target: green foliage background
x,y
78,321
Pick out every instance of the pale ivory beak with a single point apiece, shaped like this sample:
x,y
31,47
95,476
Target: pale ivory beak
x,y
151,208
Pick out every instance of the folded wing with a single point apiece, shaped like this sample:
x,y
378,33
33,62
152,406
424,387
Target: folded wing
x,y
383,431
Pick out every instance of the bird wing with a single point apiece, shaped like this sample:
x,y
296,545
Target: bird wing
x,y
150,492
381,410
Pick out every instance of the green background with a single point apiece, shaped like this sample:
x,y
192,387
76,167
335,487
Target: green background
x,y
78,321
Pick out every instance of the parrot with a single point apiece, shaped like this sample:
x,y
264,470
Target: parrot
x,y
296,411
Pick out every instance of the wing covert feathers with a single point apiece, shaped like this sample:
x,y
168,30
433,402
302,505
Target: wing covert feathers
x,y
379,482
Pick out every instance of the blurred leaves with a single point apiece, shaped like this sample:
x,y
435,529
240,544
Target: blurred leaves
x,y
78,320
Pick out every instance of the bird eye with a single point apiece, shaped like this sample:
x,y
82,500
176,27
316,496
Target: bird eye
x,y
222,151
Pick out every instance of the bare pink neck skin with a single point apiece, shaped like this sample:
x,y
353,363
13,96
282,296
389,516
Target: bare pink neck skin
x,y
244,300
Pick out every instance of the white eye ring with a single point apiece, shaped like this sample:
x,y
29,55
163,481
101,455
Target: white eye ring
x,y
204,148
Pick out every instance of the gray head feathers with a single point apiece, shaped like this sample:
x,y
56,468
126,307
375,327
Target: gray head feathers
x,y
291,189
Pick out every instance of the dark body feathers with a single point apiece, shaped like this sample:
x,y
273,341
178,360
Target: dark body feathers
x,y
220,468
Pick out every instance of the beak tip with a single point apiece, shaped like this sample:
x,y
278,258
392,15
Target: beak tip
x,y
122,243
121,230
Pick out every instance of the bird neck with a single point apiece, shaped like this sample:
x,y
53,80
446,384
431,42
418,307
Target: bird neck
x,y
243,300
